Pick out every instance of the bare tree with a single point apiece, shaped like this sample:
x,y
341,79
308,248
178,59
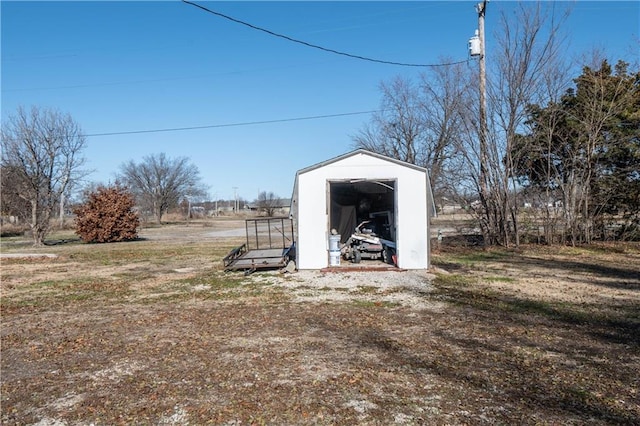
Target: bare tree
x,y
420,123
268,203
396,129
42,149
159,182
525,63
444,98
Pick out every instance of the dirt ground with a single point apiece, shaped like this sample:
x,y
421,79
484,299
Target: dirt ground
x,y
154,332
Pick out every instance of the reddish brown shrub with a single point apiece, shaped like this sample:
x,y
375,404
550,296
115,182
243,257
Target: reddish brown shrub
x,y
107,216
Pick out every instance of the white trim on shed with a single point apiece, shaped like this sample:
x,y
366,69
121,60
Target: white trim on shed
x,y
404,187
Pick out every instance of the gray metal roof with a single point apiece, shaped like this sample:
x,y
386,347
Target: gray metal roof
x,y
356,152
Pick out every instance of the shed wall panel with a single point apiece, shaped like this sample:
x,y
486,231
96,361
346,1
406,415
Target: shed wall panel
x,y
411,209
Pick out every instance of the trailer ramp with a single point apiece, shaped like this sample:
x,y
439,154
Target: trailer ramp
x,y
270,245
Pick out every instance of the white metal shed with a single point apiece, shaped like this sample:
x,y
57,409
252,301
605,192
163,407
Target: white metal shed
x,y
341,192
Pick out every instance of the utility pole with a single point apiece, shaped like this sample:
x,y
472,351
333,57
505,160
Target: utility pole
x,y
478,48
481,9
235,199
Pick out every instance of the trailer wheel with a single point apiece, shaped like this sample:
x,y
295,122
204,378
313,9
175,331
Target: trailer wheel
x,y
388,256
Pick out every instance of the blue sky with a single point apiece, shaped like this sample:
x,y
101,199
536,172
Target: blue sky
x,y
134,66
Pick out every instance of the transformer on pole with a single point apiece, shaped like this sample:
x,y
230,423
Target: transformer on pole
x,y
474,45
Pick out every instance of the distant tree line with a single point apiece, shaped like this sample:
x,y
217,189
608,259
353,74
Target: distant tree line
x,y
567,144
42,165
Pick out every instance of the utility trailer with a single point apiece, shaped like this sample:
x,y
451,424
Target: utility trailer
x,y
269,245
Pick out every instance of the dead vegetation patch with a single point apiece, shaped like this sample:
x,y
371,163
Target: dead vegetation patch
x,y
154,332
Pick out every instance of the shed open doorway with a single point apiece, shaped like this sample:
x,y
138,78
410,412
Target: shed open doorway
x,y
336,193
363,212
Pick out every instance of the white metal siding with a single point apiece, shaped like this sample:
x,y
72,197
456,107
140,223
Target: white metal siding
x,y
411,208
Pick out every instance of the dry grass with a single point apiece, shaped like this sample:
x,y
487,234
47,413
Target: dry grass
x,y
153,332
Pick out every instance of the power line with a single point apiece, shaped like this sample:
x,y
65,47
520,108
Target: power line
x,y
315,46
213,126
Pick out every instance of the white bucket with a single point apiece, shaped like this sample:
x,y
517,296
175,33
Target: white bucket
x,y
334,242
334,258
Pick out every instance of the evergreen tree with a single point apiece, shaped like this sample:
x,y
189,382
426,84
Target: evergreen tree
x,y
585,151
